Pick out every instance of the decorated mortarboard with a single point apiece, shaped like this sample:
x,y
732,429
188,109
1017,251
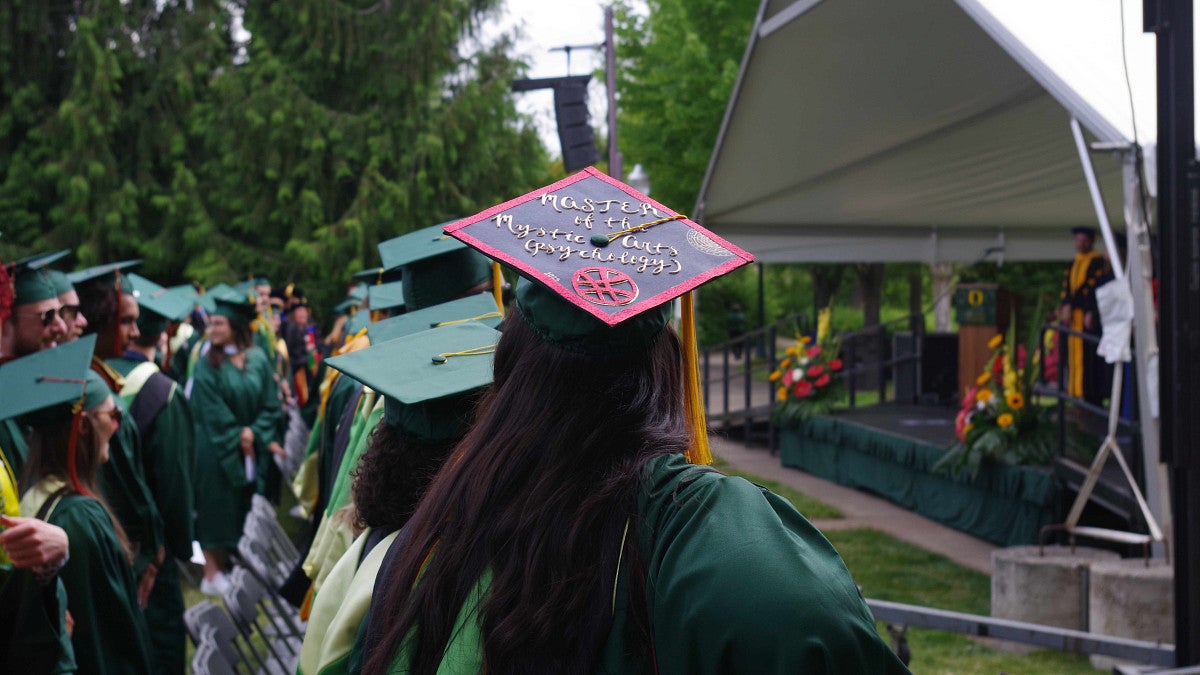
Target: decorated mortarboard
x,y
605,261
160,305
237,307
108,275
386,296
379,275
46,378
425,377
478,308
437,268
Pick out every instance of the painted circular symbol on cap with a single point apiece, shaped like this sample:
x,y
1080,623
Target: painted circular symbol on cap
x,y
604,286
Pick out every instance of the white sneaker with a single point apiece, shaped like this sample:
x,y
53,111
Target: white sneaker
x,y
215,586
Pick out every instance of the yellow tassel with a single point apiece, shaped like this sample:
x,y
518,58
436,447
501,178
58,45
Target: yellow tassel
x,y
699,452
498,287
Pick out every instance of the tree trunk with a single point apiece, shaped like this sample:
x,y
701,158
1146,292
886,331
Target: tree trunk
x,y
826,278
870,283
943,274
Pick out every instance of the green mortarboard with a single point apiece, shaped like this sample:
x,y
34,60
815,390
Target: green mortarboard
x,y
358,292
436,268
386,296
357,321
107,275
46,378
208,299
378,275
160,305
427,378
61,283
32,285
344,306
247,285
186,292
236,307
40,260
602,256
480,308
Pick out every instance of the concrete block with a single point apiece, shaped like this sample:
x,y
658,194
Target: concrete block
x,y
1130,599
1044,588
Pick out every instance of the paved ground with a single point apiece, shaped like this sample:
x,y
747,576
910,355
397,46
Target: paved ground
x,y
861,509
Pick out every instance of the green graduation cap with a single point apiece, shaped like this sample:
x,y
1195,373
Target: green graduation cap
x,y
428,379
33,281
378,275
208,299
61,283
358,320
46,378
478,308
109,275
436,267
386,296
237,307
185,292
159,305
358,292
601,264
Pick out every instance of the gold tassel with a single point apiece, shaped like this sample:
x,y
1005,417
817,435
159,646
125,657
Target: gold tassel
x,y
498,287
698,452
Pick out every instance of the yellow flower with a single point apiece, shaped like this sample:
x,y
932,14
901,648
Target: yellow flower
x,y
774,377
967,428
983,395
983,379
804,339
781,394
785,363
1010,379
1005,420
1015,400
996,341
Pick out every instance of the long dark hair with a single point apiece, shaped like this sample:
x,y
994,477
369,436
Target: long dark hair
x,y
539,493
391,477
49,455
243,339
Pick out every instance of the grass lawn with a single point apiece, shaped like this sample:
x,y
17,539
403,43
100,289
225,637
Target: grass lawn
x,y
809,507
889,569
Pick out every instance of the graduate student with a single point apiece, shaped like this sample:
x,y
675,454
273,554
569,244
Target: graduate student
x,y
68,444
575,528
427,409
236,406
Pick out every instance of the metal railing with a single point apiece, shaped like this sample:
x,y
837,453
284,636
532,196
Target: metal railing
x,y
745,362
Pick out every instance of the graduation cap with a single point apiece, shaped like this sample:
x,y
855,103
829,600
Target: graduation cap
x,y
46,378
237,307
427,378
61,283
379,275
436,267
208,299
1084,229
108,275
479,308
160,305
32,281
359,319
603,263
386,296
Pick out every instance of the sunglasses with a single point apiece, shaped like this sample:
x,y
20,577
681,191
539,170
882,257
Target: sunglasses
x,y
68,313
47,317
115,414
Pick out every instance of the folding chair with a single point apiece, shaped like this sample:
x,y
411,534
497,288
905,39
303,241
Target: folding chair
x,y
206,619
208,659
255,554
245,597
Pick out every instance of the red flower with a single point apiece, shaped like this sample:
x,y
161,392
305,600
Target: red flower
x,y
813,352
835,365
1021,354
803,388
816,370
787,378
822,380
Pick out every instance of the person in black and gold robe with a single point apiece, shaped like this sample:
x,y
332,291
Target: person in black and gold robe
x,y
1078,311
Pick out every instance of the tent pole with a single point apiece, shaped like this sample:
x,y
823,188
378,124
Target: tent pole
x,y
1089,171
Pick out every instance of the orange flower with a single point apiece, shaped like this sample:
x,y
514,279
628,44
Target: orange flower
x,y
1005,420
774,377
781,394
1015,400
983,379
983,395
996,341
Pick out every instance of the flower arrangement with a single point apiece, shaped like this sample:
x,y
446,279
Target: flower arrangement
x,y
999,420
806,379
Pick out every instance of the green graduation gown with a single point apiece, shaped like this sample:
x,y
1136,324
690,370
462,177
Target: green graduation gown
x,y
737,581
110,634
169,452
225,399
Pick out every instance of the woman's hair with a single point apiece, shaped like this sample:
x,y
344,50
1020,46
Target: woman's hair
x,y
539,493
243,338
99,303
391,477
49,449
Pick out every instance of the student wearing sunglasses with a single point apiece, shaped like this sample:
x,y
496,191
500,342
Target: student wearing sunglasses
x,y
35,323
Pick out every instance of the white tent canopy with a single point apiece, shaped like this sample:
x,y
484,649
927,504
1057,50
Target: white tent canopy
x,y
937,131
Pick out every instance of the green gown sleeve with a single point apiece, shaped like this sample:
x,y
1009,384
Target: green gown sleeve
x,y
171,456
110,632
739,582
269,410
216,423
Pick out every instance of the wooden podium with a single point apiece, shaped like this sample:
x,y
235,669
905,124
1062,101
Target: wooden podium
x,y
982,311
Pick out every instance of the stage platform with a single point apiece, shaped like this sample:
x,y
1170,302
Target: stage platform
x,y
890,449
